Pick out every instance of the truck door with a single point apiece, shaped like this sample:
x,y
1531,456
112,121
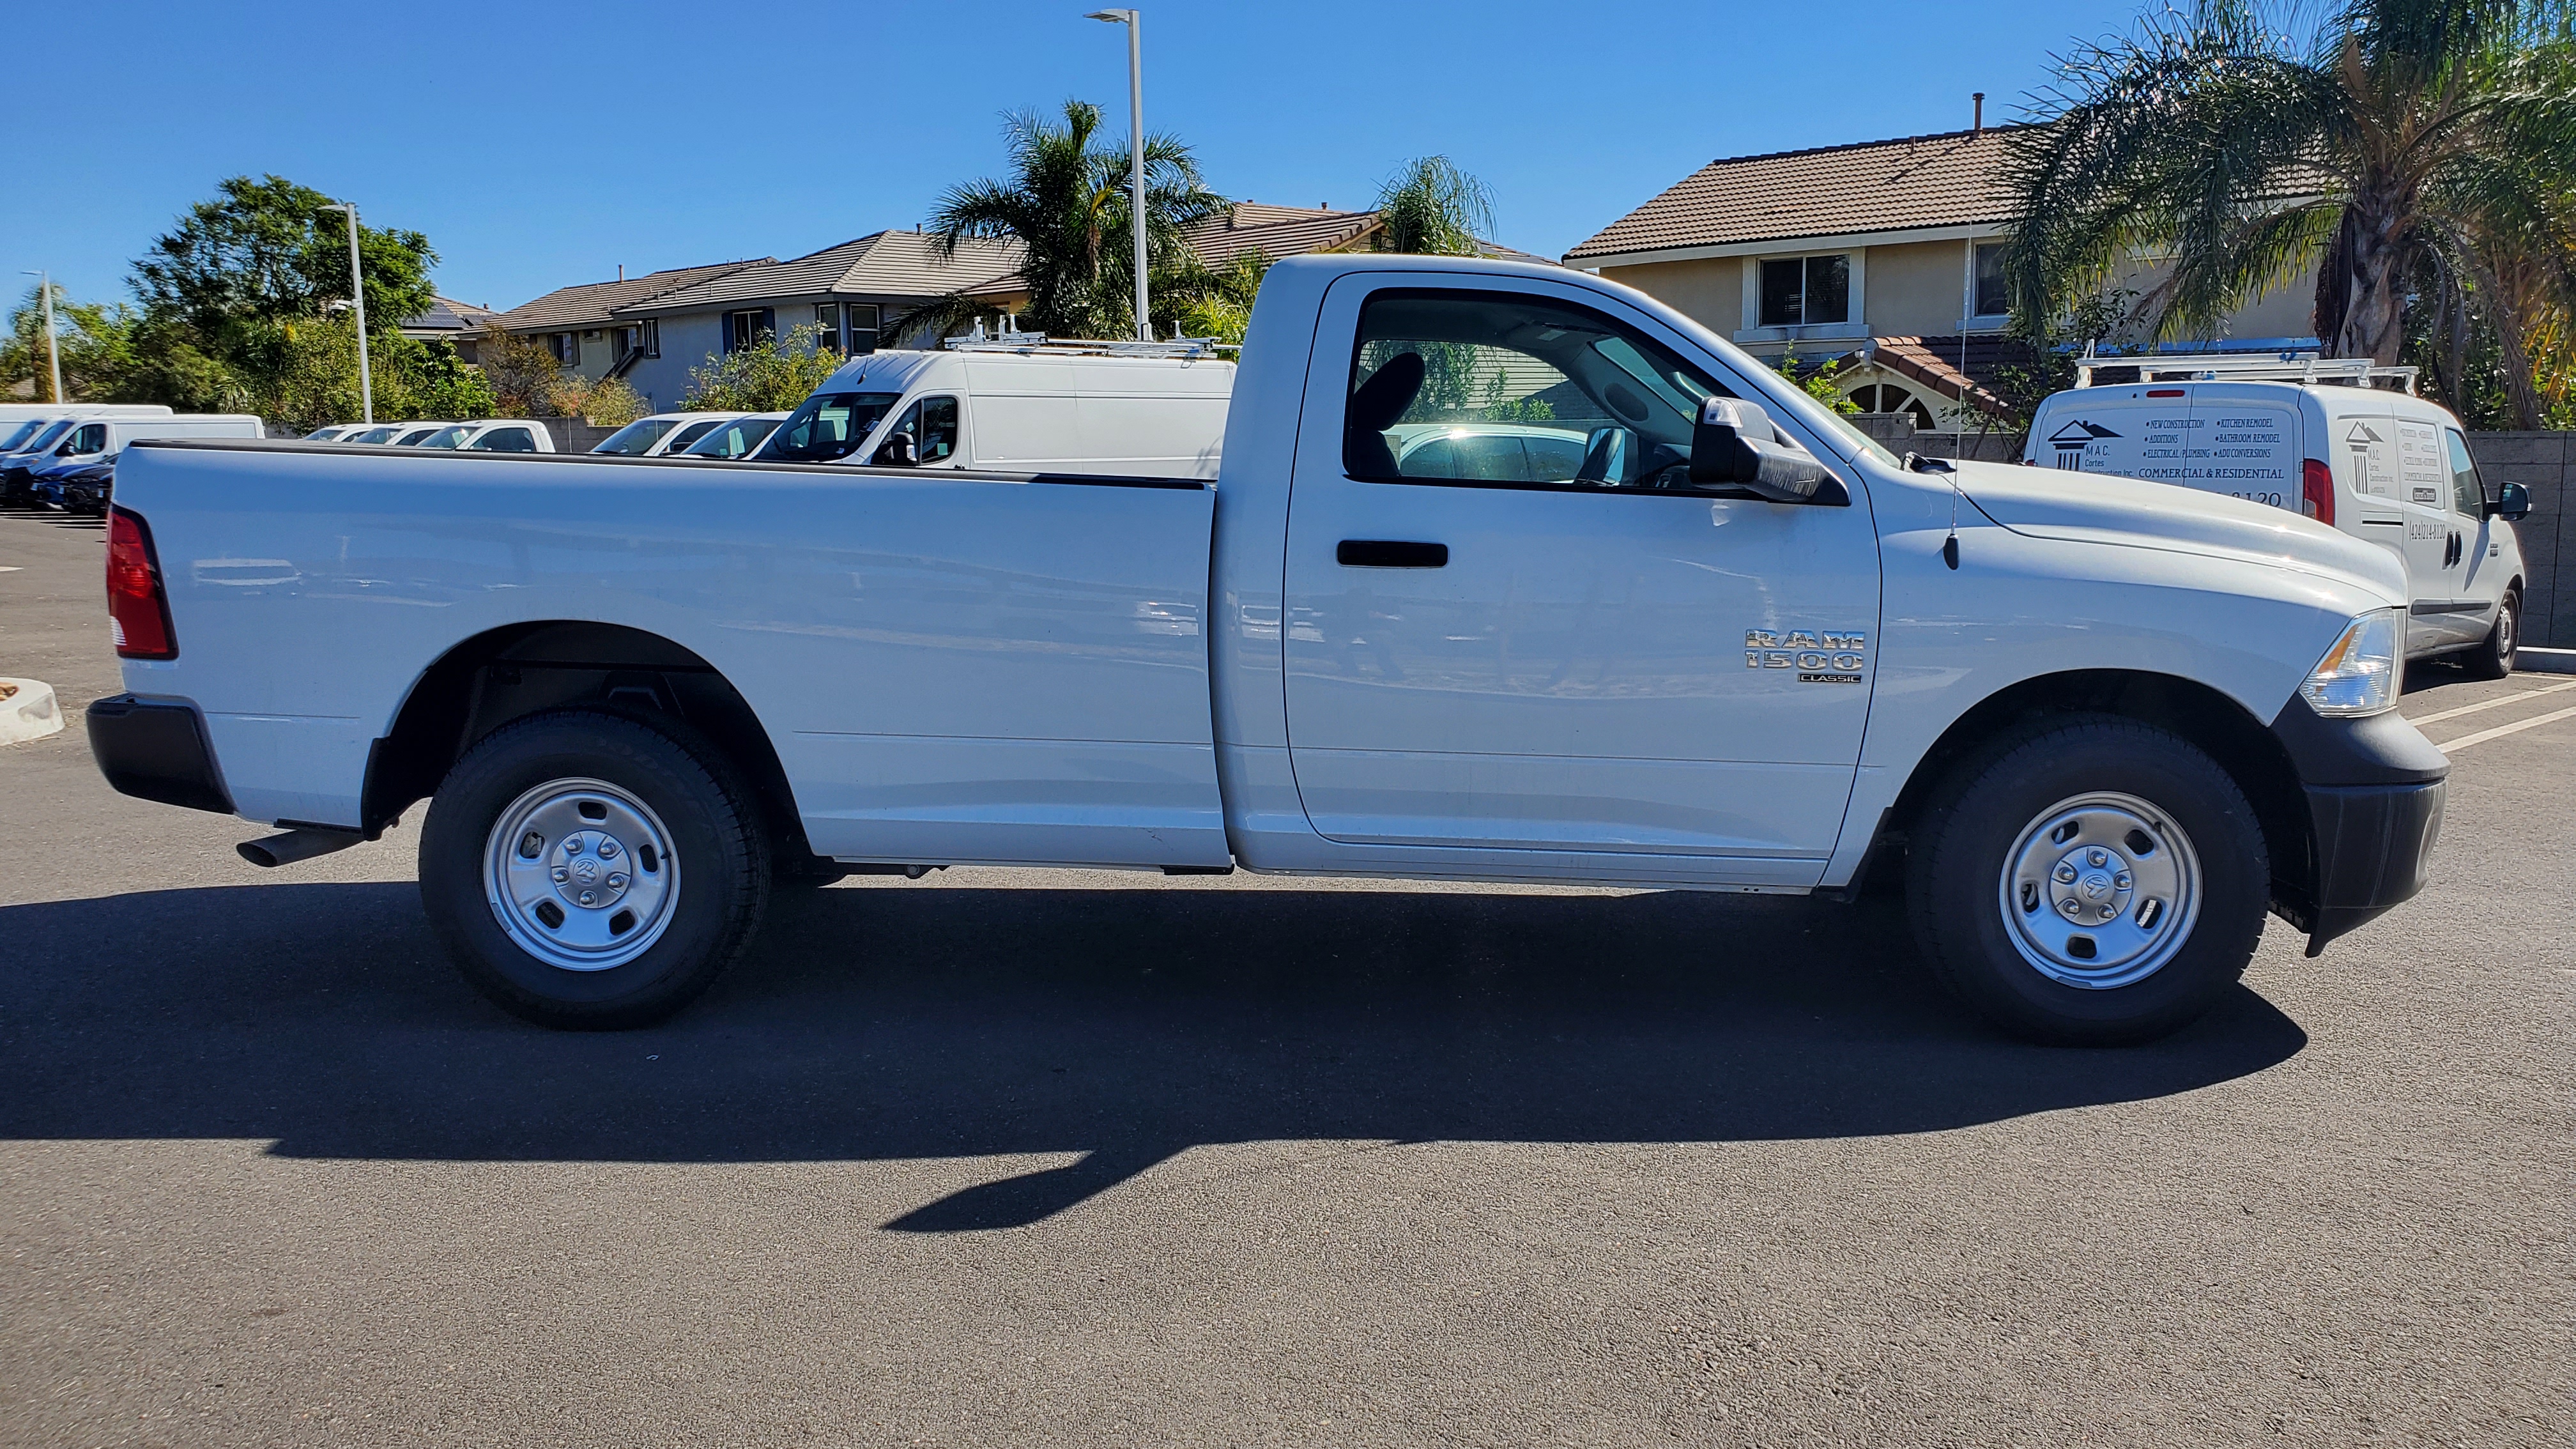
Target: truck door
x,y
2361,448
1563,651
2476,577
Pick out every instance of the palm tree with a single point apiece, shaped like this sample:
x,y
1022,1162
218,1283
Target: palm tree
x,y
1431,207
1066,202
2406,141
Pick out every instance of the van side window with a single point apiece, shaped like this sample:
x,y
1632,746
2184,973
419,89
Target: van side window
x,y
92,438
1480,388
2468,495
504,440
931,424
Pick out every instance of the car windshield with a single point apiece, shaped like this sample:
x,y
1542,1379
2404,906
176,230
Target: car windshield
x,y
412,438
637,438
17,437
446,437
693,432
371,435
46,438
829,426
735,438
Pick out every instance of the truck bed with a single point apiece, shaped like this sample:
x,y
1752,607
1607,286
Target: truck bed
x,y
1036,692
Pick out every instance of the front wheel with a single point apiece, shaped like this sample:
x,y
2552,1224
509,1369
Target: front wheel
x,y
587,870
2088,881
2492,657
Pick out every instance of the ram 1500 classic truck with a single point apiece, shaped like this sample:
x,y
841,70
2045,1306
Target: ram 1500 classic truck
x,y
1727,643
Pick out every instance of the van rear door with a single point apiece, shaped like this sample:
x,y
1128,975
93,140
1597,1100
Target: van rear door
x,y
2244,442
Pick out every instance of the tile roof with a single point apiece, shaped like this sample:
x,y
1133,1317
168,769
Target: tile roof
x,y
446,317
1936,362
882,264
594,304
1277,231
1951,179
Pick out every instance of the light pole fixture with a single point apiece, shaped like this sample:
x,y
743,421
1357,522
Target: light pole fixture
x,y
358,301
1134,21
53,348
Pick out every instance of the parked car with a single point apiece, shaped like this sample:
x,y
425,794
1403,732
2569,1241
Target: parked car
x,y
1488,452
18,466
493,435
334,433
736,437
74,487
2097,732
378,434
2319,438
661,434
414,435
1033,406
92,445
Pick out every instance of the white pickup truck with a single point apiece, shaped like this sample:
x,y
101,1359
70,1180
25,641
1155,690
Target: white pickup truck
x,y
1728,644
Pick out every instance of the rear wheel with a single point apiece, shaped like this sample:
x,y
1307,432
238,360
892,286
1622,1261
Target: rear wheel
x,y
589,870
2492,657
2088,881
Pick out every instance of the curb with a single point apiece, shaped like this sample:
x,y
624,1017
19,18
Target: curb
x,y
2544,661
27,711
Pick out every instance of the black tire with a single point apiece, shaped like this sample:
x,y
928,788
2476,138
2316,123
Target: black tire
x,y
2492,657
714,837
1966,840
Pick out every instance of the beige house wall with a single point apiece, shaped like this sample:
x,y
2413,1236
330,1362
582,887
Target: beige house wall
x,y
1710,293
1919,289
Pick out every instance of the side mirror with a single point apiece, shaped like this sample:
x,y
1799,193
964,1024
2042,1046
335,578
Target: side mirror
x,y
896,452
2513,502
1734,445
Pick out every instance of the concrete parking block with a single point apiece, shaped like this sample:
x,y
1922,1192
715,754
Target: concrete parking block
x,y
27,711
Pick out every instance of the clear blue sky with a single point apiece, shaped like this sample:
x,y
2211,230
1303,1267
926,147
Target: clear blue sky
x,y
542,144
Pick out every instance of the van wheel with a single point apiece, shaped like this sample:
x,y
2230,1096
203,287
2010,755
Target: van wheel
x,y
2088,881
587,870
2492,657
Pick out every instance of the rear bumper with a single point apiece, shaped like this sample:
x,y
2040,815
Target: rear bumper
x,y
2374,790
155,749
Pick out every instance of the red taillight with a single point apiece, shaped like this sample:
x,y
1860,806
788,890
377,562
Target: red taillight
x,y
2164,392
138,612
2316,490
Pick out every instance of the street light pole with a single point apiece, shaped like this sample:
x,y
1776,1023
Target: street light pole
x,y
53,347
1134,21
358,300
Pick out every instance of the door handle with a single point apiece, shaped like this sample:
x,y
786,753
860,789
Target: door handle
x,y
1387,553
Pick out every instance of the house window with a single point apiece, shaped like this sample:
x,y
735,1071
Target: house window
x,y
1987,294
648,336
566,347
748,328
1806,291
827,317
863,327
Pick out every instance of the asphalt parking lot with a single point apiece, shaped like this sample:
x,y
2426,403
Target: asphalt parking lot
x,y
1073,1157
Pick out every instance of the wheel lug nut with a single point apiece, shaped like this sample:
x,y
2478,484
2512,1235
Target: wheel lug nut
x,y
617,882
2065,873
2122,880
607,848
2097,857
561,875
590,898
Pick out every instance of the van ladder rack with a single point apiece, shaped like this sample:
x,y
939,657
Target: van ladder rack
x,y
1028,344
2247,367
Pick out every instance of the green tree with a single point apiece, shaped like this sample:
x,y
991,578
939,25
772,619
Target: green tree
x,y
265,252
2399,141
95,340
1065,200
522,372
1220,304
1431,207
772,375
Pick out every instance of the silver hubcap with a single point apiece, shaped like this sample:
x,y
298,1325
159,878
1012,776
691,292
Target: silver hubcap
x,y
581,875
2100,891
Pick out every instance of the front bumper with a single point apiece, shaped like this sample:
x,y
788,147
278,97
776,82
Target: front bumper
x,y
2374,790
156,749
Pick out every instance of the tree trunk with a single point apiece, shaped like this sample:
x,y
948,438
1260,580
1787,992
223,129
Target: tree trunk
x,y
2361,295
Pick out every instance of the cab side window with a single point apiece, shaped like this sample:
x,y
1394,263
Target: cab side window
x,y
2468,495
929,426
504,440
1500,388
90,438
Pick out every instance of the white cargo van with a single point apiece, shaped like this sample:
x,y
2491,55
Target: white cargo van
x,y
13,414
1022,405
493,435
2341,441
100,439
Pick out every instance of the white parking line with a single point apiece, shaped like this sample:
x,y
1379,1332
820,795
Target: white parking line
x,y
2420,721
2464,741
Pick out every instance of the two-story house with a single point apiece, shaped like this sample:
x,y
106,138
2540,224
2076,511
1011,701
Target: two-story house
x,y
1885,254
583,327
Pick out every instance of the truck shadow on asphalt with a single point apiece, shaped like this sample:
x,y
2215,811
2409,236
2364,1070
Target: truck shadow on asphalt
x,y
888,1022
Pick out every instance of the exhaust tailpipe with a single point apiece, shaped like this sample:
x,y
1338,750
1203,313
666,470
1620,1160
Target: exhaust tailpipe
x,y
296,845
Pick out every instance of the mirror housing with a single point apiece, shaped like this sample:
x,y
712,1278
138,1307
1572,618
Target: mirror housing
x,y
2513,502
1735,446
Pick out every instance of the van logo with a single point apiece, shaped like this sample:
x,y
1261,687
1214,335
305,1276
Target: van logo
x,y
2069,441
1819,658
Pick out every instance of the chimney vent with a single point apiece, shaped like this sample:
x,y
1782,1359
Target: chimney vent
x,y
1977,127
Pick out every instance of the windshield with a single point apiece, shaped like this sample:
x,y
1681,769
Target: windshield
x,y
412,438
735,438
17,437
637,438
46,438
692,433
371,435
446,437
828,426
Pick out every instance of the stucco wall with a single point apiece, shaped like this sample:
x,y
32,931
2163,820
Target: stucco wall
x,y
1919,289
1710,292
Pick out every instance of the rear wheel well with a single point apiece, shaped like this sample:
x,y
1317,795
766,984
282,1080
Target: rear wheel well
x,y
2242,745
511,673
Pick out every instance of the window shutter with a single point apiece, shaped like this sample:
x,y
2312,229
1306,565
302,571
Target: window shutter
x,y
728,331
769,322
